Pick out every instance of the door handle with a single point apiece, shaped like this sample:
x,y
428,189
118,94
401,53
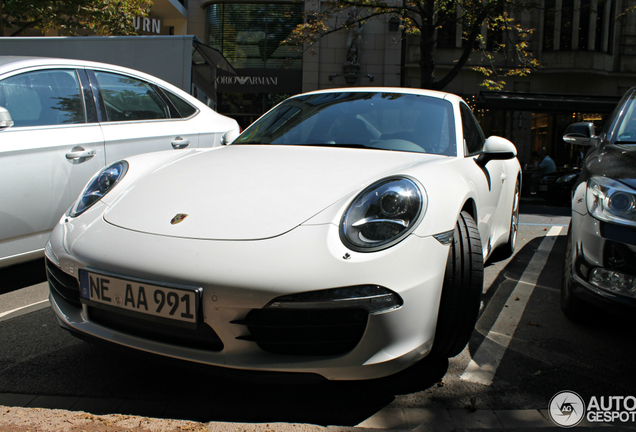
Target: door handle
x,y
503,177
79,152
180,143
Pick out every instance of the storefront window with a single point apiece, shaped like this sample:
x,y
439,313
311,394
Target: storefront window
x,y
567,16
250,35
584,24
600,14
447,32
548,24
548,130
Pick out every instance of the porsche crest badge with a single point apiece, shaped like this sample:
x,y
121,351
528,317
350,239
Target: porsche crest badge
x,y
178,218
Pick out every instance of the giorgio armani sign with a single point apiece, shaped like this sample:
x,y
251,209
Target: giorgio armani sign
x,y
260,81
247,80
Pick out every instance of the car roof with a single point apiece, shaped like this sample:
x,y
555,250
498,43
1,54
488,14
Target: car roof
x,y
14,63
12,59
27,61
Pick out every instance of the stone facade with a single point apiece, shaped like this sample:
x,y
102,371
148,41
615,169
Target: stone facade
x,y
608,69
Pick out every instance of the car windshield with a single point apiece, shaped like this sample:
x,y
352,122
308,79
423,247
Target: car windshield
x,y
385,121
626,133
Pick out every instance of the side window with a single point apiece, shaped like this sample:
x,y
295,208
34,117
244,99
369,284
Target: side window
x,y
473,136
128,98
42,98
183,107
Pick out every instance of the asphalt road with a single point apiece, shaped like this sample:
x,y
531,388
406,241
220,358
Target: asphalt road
x,y
543,355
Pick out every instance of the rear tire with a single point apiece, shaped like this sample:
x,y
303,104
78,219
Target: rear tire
x,y
461,292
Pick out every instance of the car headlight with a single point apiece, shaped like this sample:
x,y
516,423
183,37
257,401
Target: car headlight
x,y
98,186
383,214
611,201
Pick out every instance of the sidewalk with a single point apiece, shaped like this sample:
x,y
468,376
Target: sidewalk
x,y
22,413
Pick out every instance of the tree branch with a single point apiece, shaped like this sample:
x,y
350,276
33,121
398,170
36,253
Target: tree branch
x,y
461,62
26,26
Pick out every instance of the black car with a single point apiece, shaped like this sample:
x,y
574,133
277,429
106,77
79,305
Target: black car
x,y
600,263
556,188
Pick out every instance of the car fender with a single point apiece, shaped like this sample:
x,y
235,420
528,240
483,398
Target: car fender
x,y
442,209
579,204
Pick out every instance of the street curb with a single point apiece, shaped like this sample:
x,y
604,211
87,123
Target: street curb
x,y
131,412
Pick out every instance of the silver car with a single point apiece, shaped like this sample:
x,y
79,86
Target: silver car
x,y
63,120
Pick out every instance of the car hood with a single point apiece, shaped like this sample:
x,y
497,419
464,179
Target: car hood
x,y
248,192
615,161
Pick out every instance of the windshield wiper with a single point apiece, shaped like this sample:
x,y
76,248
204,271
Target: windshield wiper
x,y
328,144
332,144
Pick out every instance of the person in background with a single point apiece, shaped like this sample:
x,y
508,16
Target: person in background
x,y
579,157
547,165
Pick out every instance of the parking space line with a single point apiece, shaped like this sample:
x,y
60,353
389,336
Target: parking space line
x,y
484,364
7,313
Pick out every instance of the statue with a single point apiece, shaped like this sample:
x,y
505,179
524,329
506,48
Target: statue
x,y
354,38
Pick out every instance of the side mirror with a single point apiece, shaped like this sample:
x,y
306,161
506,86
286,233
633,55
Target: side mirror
x,y
5,118
496,148
581,134
230,136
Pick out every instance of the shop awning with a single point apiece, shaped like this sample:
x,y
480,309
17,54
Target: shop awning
x,y
206,61
545,102
204,54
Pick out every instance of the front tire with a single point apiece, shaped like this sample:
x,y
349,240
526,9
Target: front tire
x,y
573,308
509,248
461,292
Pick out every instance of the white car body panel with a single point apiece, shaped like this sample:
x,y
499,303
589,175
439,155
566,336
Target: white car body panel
x,y
264,222
42,183
123,140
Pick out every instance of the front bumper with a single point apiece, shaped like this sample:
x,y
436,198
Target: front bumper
x,y
606,247
239,279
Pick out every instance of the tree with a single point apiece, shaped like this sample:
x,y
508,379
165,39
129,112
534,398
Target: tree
x,y
504,53
72,17
628,10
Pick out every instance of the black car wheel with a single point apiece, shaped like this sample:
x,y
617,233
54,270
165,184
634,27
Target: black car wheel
x,y
509,248
461,292
573,308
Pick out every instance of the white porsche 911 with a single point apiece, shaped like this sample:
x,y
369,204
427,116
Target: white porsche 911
x,y
342,235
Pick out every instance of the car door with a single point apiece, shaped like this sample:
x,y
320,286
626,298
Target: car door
x,y
489,184
138,118
46,157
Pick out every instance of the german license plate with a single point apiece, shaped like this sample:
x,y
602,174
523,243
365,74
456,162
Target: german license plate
x,y
543,188
175,303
